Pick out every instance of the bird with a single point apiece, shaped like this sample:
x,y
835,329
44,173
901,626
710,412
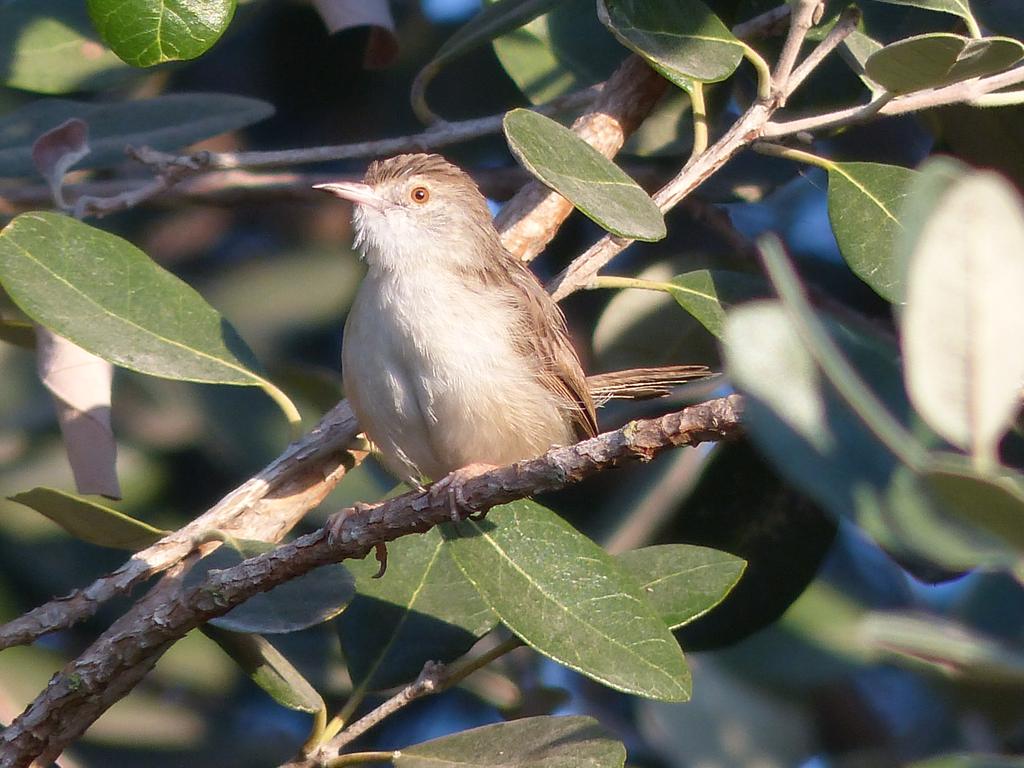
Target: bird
x,y
454,357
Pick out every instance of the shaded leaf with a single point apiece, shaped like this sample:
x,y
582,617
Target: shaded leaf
x,y
707,294
89,521
268,668
682,39
53,48
856,49
682,581
865,202
962,331
965,760
167,123
569,600
422,609
929,642
80,383
993,504
934,60
493,20
532,742
108,297
18,333
148,32
310,599
956,7
581,174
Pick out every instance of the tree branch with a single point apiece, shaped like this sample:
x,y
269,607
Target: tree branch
x,y
122,655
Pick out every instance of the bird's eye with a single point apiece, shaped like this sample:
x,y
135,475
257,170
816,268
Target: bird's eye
x,y
420,194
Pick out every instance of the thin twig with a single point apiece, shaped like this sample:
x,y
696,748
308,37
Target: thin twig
x,y
800,22
77,695
842,29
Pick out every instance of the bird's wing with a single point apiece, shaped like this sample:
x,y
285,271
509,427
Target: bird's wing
x,y
543,337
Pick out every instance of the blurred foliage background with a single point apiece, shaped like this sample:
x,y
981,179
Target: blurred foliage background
x,y
784,674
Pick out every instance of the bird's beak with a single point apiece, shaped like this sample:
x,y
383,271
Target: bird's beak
x,y
357,192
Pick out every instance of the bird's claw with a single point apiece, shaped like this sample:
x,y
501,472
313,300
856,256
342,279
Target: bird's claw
x,y
453,485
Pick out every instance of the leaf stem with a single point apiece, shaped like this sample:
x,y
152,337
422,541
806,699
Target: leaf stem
x,y
764,72
789,153
341,719
700,119
459,672
834,365
615,281
287,407
972,24
355,758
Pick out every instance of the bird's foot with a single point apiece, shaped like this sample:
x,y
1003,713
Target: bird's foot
x,y
453,485
336,534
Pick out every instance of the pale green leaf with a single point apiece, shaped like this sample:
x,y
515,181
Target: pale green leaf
x,y
569,600
682,581
956,7
708,293
581,174
962,329
938,59
89,521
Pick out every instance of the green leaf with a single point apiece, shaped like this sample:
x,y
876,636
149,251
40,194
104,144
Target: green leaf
x,y
864,206
708,293
682,39
165,123
148,32
268,668
856,49
422,609
111,299
682,581
310,599
569,600
995,505
962,329
491,21
532,742
970,761
935,60
89,521
53,48
956,7
581,174
561,51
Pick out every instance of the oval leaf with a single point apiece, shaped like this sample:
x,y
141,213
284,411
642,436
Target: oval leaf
x,y
536,742
962,329
91,522
268,668
310,599
707,294
148,32
423,610
934,60
682,581
110,298
682,39
493,20
581,174
864,205
956,7
569,600
995,505
165,123
54,49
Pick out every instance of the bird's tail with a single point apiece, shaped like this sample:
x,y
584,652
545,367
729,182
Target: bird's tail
x,y
643,383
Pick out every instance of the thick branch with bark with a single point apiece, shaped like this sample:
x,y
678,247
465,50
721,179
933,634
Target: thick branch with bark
x,y
86,687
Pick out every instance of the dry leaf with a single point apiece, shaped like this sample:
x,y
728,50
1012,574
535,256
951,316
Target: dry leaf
x,y
80,384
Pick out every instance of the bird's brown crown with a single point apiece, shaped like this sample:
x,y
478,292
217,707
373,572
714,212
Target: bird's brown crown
x,y
407,166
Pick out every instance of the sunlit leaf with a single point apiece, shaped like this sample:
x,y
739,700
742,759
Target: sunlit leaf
x,y
682,39
962,329
148,32
89,521
708,293
956,7
865,203
532,742
934,60
568,599
581,174
682,581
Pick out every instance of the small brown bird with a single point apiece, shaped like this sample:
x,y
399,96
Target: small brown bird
x,y
454,357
